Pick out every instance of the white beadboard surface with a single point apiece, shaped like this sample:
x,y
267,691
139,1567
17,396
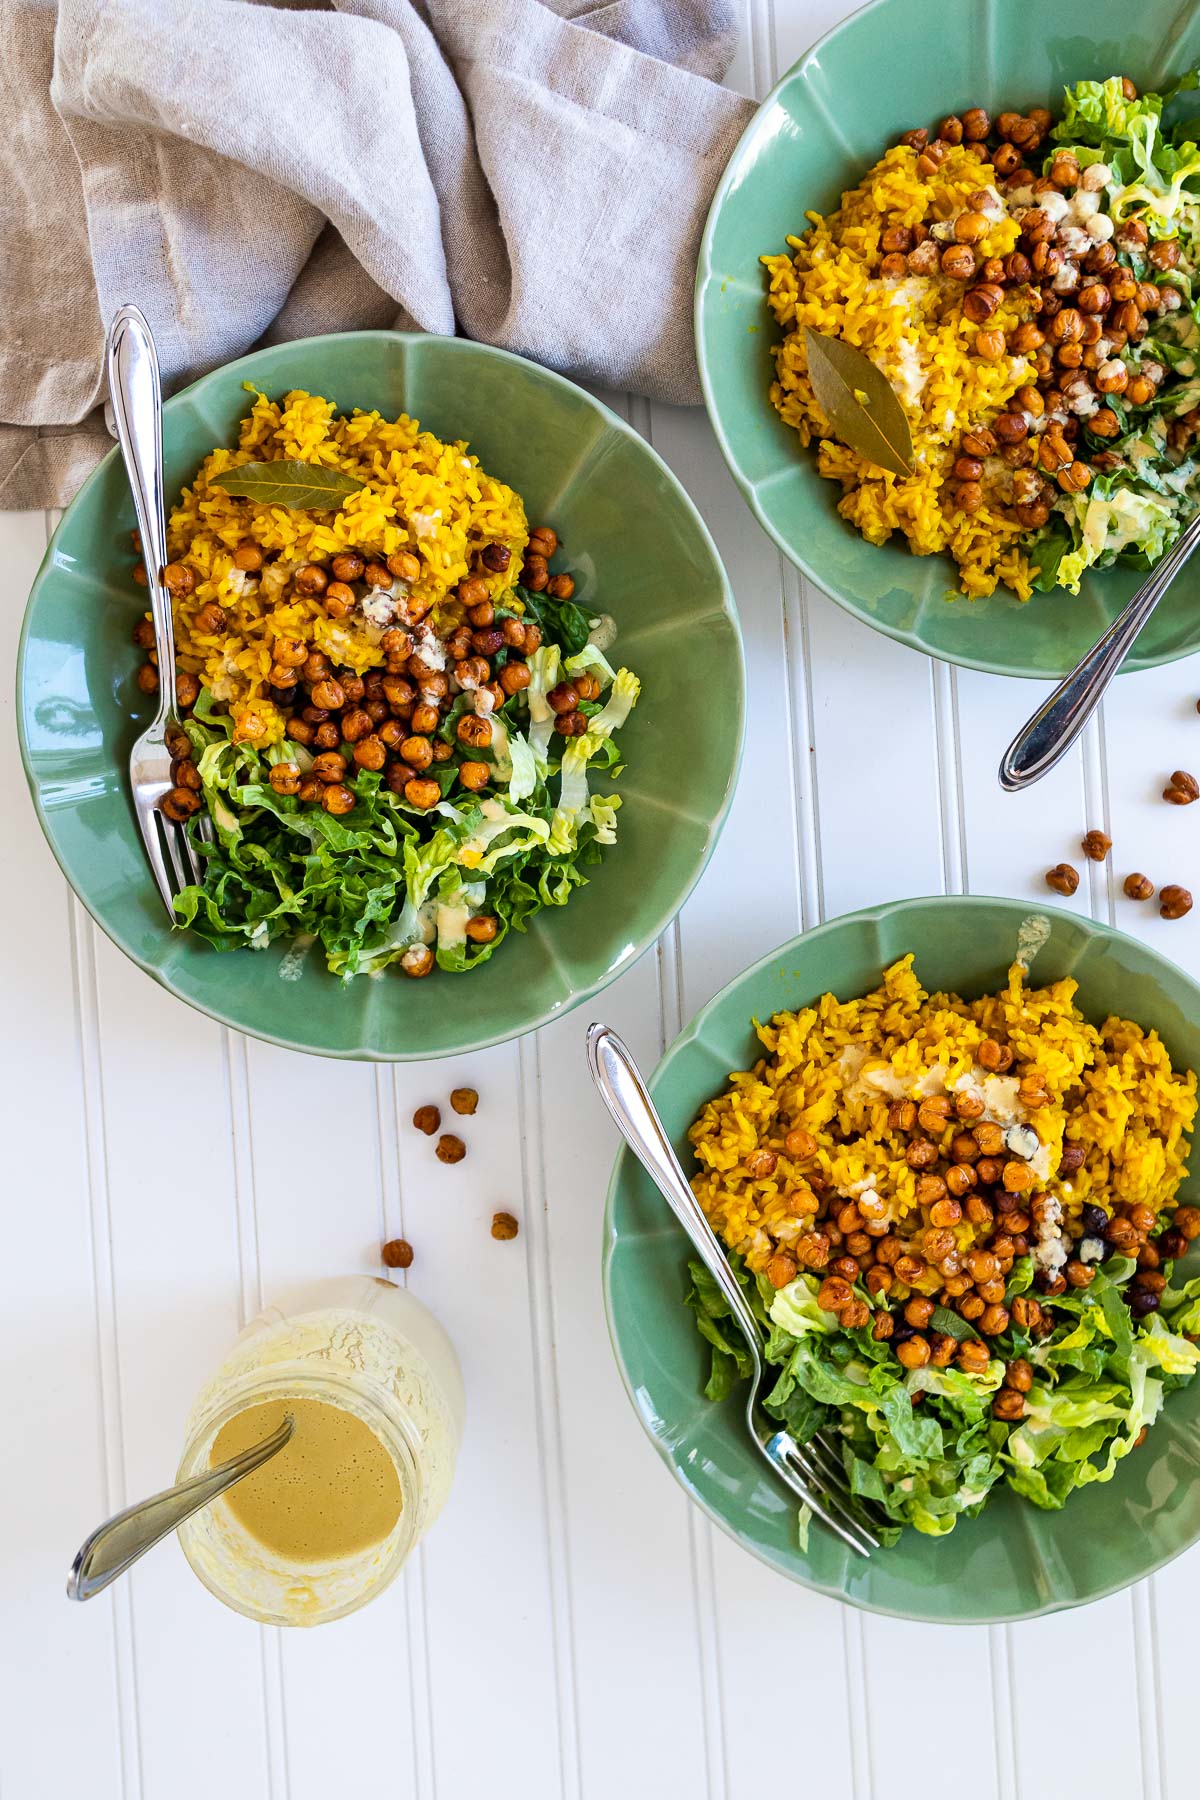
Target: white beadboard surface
x,y
571,1629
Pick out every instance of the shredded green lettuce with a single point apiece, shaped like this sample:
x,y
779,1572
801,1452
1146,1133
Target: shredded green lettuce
x,y
371,883
1100,1378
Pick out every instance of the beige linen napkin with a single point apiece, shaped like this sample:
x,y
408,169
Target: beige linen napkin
x,y
534,173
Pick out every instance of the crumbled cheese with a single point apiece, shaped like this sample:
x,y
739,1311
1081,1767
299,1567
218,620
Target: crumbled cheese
x,y
425,524
485,702
1092,1250
1074,241
1067,279
275,578
910,376
1023,1141
1050,1250
1056,206
379,606
1001,1105
429,646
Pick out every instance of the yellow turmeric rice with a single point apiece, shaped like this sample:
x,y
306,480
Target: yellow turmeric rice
x,y
419,495
915,331
843,1141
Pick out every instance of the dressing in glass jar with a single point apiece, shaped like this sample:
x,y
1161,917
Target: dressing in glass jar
x,y
373,1387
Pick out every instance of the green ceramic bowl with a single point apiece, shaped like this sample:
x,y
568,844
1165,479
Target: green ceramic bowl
x,y
639,550
1013,1561
897,64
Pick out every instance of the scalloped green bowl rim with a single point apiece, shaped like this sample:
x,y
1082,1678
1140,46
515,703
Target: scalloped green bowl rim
x,y
641,551
1012,1562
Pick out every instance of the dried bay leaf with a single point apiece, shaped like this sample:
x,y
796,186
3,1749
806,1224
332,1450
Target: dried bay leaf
x,y
859,402
302,486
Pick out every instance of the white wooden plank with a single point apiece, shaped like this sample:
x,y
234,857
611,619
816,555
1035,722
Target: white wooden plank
x,y
623,1514
1052,1758
1012,839
316,1206
761,1622
48,1324
495,1621
1152,728
173,1235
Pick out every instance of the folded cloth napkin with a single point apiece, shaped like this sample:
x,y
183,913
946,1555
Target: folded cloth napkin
x,y
534,173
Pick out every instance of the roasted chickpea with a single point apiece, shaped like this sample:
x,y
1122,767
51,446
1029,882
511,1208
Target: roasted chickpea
x,y
338,600
310,579
370,753
347,565
561,587
179,580
337,799
147,678
960,1179
958,262
571,724
285,777
422,794
417,752
514,677
417,961
210,619
248,556
180,803
474,775
329,766
496,557
377,575
543,541
482,929
913,1352
328,694
474,731
404,565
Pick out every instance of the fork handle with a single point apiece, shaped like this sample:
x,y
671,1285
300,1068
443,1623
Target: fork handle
x,y
136,393
624,1092
1045,738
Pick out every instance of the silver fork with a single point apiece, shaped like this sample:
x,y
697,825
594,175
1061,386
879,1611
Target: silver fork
x,y
812,1471
135,400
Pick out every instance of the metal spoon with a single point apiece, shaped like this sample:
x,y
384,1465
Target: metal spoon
x,y
113,1546
1045,739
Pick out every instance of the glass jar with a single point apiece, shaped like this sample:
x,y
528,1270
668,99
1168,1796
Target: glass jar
x,y
372,1349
